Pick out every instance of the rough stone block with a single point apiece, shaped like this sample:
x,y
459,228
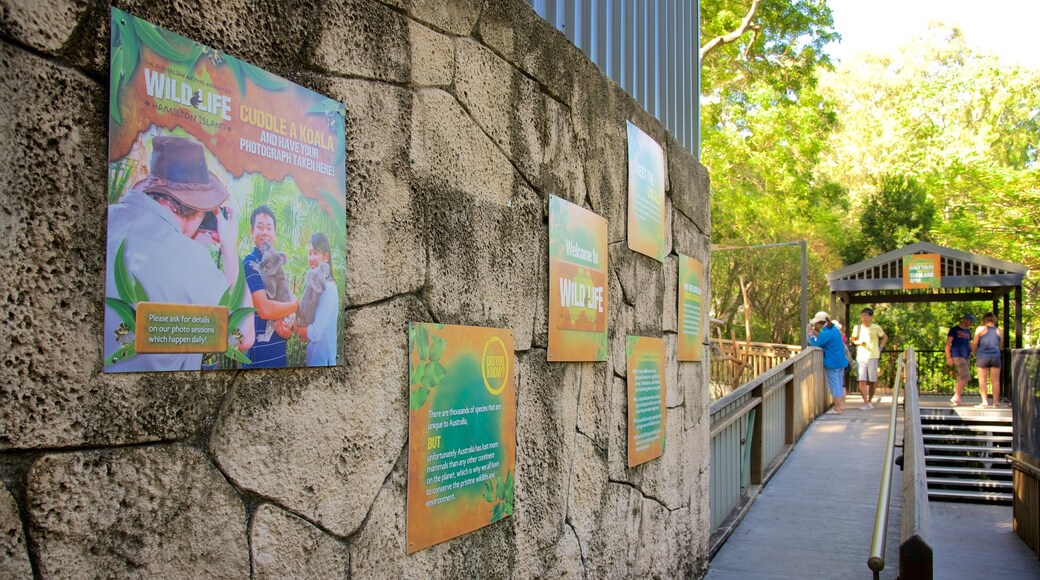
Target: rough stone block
x,y
386,252
301,440
448,150
14,559
620,324
145,512
241,28
484,553
456,17
670,297
547,402
594,403
674,394
432,58
690,190
45,25
365,39
533,130
285,546
686,238
52,390
642,284
540,334
483,259
516,32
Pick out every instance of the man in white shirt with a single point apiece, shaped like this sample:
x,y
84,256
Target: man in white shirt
x,y
870,341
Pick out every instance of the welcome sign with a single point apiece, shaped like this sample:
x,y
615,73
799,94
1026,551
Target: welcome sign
x,y
577,283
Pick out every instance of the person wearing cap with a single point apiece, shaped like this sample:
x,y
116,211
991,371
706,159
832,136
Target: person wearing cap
x,y
158,219
958,354
824,333
870,340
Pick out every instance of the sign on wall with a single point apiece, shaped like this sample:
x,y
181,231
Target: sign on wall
x,y
226,216
461,430
922,271
577,283
691,309
646,406
646,209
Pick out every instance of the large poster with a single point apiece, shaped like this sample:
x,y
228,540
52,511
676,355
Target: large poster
x,y
691,306
646,406
646,210
577,283
461,430
226,211
922,271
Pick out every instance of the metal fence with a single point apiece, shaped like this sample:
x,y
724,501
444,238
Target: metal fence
x,y
648,47
753,427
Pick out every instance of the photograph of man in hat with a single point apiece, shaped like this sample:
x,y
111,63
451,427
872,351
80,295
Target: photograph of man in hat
x,y
158,218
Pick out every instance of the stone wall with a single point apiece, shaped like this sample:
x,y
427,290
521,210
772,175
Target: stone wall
x,y
462,118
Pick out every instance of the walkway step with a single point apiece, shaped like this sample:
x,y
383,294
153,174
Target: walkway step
x,y
952,470
941,427
953,437
968,448
965,459
978,483
995,416
977,495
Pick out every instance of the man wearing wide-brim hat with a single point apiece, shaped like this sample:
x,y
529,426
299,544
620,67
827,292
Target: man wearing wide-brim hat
x,y
158,219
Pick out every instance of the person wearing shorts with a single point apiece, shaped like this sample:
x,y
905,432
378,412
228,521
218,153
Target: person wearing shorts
x,y
825,335
986,345
869,339
958,352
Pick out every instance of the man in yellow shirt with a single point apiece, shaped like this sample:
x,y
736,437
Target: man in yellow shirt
x,y
870,341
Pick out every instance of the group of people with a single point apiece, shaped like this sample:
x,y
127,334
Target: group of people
x,y
985,343
159,221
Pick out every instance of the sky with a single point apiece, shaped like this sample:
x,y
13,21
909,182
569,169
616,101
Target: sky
x,y
1007,28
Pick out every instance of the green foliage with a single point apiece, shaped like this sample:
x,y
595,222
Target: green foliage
x,y
899,214
499,493
427,372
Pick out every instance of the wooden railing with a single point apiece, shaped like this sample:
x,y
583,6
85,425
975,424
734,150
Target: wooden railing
x,y
915,550
761,356
754,428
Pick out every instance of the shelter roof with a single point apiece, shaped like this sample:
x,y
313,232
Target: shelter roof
x,y
958,270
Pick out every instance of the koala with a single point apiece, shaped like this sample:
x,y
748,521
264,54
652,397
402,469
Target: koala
x,y
315,286
272,271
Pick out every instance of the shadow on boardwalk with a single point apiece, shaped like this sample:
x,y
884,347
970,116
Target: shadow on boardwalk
x,y
815,517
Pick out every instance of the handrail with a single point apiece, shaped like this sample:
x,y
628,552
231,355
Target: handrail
x,y
876,559
916,558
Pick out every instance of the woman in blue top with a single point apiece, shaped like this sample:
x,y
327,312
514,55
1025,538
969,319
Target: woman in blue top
x,y
825,335
321,334
986,346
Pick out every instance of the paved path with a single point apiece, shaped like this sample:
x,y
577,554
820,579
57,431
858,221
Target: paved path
x,y
815,518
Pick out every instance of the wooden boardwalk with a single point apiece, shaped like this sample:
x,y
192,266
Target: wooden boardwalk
x,y
815,518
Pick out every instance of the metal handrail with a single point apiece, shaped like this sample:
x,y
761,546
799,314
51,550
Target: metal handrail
x,y
876,559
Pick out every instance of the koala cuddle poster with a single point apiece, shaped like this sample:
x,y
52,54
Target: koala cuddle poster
x,y
226,211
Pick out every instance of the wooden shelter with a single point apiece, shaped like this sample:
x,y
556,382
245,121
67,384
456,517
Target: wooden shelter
x,y
906,275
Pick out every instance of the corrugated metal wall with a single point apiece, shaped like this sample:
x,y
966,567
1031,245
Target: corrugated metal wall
x,y
649,47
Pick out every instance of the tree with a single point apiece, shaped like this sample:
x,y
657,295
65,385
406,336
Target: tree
x,y
764,125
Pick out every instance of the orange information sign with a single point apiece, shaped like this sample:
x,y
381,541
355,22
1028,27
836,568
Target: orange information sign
x,y
922,271
646,211
180,328
577,283
461,430
691,306
646,390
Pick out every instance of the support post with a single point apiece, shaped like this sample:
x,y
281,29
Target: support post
x,y
1018,316
805,293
